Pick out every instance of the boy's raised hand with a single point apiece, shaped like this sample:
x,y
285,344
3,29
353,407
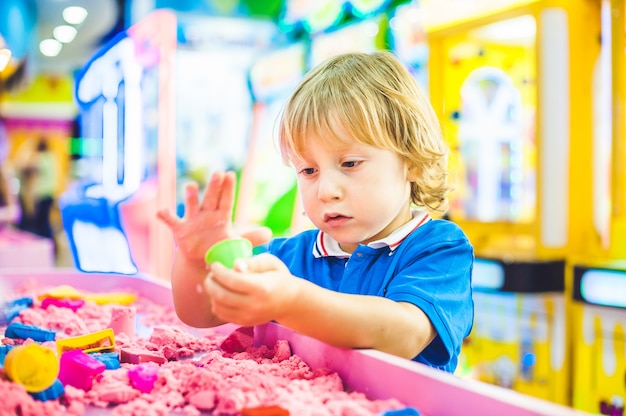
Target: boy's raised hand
x,y
208,221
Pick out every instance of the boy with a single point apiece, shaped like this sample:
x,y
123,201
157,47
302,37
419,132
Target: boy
x,y
377,272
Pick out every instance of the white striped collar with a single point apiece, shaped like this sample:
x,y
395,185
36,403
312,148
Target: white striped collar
x,y
326,246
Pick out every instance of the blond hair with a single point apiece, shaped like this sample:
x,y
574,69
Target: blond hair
x,y
377,101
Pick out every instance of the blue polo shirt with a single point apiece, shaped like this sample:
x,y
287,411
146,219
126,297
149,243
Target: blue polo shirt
x,y
427,262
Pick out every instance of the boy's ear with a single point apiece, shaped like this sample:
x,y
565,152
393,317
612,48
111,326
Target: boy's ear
x,y
412,173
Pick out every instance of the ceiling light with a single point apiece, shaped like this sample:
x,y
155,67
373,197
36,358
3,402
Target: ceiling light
x,y
5,57
64,33
50,47
74,15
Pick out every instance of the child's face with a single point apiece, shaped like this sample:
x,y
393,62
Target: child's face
x,y
354,192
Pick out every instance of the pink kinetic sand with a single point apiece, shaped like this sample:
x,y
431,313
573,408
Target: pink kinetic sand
x,y
169,368
123,320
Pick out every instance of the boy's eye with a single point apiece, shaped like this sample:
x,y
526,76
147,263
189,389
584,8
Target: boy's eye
x,y
350,163
307,171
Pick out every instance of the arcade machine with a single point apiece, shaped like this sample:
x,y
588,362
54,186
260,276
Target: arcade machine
x,y
268,187
598,311
334,27
117,92
167,100
501,77
408,40
309,16
599,343
364,35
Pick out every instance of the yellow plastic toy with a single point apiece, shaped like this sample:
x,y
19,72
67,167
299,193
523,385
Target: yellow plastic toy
x,y
119,298
96,341
33,366
69,292
61,292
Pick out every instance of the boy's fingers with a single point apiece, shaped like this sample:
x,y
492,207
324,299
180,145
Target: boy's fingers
x,y
166,216
191,198
262,263
212,193
226,195
227,280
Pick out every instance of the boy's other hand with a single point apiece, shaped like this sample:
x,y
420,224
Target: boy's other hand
x,y
208,221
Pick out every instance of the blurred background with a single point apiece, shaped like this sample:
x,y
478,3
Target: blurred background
x,y
108,107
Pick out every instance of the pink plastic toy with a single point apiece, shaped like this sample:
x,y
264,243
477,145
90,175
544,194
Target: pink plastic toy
x,y
73,304
79,369
143,377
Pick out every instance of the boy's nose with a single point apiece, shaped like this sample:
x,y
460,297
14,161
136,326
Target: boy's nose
x,y
329,188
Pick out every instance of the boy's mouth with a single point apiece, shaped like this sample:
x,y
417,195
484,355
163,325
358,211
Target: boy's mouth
x,y
335,220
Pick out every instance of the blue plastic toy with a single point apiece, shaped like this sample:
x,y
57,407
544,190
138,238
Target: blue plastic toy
x,y
19,330
110,359
408,411
51,393
4,350
11,309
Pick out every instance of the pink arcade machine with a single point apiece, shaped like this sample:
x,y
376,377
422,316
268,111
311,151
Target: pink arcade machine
x,y
164,102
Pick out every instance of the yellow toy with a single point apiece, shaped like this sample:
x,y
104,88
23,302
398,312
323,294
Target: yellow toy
x,y
96,341
33,366
69,292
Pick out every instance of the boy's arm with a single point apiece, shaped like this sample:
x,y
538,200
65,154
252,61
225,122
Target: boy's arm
x,y
424,303
191,302
358,321
262,289
206,222
434,286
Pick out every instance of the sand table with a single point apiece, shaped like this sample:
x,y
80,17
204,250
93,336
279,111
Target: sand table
x,y
181,370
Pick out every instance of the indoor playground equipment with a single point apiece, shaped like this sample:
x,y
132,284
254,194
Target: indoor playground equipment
x,y
167,101
501,75
598,274
94,354
599,346
268,189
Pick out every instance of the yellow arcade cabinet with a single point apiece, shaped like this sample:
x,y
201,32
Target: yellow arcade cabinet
x,y
599,345
504,79
598,311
